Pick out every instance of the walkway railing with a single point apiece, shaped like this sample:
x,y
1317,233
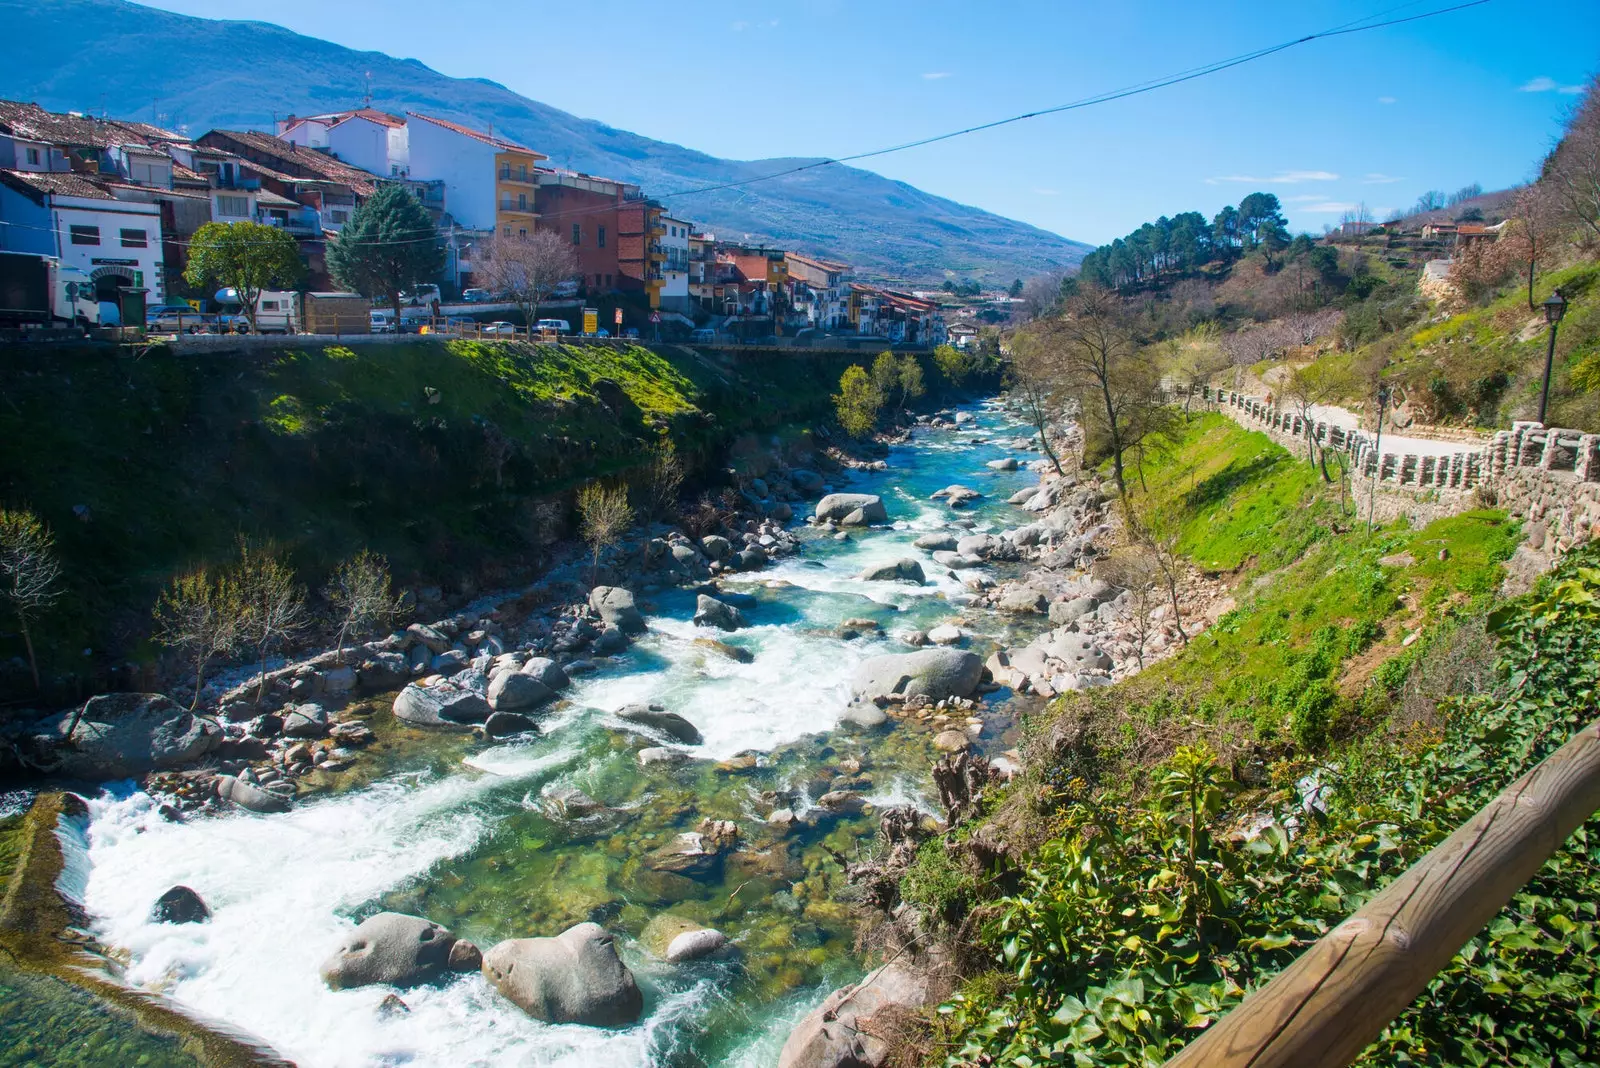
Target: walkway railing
x,y
1525,445
1336,998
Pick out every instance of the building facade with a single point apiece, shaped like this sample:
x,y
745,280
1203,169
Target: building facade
x,y
118,244
489,183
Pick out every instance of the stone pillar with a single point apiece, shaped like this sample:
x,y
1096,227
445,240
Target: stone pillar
x,y
1587,464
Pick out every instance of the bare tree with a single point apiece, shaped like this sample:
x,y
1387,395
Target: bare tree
x,y
1194,359
1041,294
361,595
605,515
1534,231
200,615
1308,386
1133,568
1304,327
1035,379
528,269
1158,535
1573,169
30,573
273,604
662,481
1114,381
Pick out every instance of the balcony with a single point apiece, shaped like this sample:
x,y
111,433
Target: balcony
x,y
307,221
512,207
520,175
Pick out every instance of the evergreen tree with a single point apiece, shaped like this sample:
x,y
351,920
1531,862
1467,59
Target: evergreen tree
x,y
388,245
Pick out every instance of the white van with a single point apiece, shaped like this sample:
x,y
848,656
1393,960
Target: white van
x,y
553,326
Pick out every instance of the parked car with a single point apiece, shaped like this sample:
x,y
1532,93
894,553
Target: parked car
x,y
168,319
568,288
553,326
632,332
155,312
382,322
703,335
477,296
500,327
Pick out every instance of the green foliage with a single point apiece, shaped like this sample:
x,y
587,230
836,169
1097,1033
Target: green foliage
x,y
1144,919
937,884
952,363
245,256
859,400
389,244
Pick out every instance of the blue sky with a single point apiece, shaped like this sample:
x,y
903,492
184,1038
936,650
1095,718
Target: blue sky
x,y
1377,117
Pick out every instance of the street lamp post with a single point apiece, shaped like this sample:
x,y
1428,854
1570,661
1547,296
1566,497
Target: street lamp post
x,y
1555,306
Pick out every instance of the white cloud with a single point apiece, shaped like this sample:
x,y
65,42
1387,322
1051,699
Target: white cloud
x,y
1541,84
1047,192
740,26
1304,198
1386,100
1329,207
1281,178
935,75
1376,178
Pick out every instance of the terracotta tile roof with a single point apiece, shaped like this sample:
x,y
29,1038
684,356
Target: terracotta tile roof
x,y
180,173
35,123
289,162
817,262
382,118
488,139
35,184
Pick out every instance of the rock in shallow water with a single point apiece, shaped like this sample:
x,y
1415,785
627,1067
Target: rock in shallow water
x,y
250,797
842,506
390,948
616,606
440,706
658,718
933,673
710,612
575,977
179,905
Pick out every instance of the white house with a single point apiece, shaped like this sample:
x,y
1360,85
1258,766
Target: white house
x,y
674,264
489,182
365,137
116,243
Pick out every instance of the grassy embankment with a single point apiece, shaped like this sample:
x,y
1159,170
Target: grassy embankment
x,y
437,454
1136,906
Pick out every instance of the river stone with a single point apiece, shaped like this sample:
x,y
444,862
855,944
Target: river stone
x,y
955,561
571,803
710,612
692,945
841,506
982,545
124,734
661,754
751,558
1007,464
391,949
1022,599
435,641
843,1033
689,854
1064,612
939,540
440,706
1022,496
732,652
616,606
863,714
464,957
575,977
450,662
658,718
1077,651
511,691
179,905
546,671
946,634
505,724
382,671
903,570
951,741
249,797
305,721
933,673
716,546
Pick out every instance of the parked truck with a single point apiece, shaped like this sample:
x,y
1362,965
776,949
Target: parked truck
x,y
38,291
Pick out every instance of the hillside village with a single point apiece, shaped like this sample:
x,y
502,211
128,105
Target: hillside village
x,y
122,201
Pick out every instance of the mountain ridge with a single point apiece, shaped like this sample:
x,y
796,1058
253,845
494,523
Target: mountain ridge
x,y
124,59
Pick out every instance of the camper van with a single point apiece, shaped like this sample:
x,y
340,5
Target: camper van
x,y
42,291
280,311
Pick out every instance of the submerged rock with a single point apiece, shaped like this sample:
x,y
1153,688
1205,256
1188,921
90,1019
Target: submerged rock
x,y
732,652
659,719
250,797
390,948
710,612
575,977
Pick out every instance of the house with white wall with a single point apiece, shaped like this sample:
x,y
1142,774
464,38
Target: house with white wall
x,y
364,137
675,263
489,182
118,244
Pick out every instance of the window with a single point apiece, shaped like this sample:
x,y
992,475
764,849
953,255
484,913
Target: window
x,y
577,233
237,207
600,237
338,217
522,202
508,231
33,157
269,305
85,235
523,232
135,239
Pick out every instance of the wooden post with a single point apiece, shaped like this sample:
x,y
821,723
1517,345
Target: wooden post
x,y
1326,1007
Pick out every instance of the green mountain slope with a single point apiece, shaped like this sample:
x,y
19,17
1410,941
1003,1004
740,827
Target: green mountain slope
x,y
139,63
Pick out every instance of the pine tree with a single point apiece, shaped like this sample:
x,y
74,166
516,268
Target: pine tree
x,y
388,245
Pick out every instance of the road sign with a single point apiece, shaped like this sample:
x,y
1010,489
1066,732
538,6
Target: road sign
x,y
619,316
655,317
591,320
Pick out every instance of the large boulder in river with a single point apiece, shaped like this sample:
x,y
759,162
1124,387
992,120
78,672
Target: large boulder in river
x,y
548,672
659,719
616,606
937,541
248,796
575,977
514,691
710,612
122,734
902,570
440,705
933,673
844,1032
840,506
390,948
179,905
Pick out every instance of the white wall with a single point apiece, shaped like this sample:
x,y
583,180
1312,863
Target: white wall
x,y
112,217
675,283
466,166
366,144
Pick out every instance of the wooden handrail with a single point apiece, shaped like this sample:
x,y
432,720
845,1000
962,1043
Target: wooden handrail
x,y
1329,1005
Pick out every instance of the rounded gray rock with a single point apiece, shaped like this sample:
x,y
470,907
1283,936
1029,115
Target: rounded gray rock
x,y
390,948
575,977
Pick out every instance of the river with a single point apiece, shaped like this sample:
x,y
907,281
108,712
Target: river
x,y
463,832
